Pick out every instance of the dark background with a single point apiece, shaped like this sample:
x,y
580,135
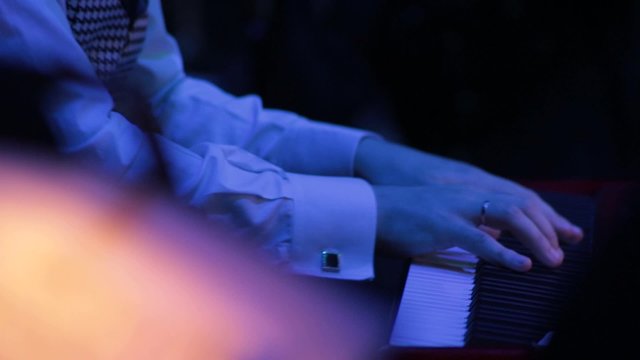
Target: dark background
x,y
526,89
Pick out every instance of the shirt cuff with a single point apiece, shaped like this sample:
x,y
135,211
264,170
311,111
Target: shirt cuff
x,y
333,216
328,149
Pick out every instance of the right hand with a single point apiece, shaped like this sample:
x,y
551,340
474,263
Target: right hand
x,y
414,221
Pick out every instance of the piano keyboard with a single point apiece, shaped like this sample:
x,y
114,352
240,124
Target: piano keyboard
x,y
452,299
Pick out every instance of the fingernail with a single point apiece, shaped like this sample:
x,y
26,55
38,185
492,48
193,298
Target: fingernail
x,y
556,256
523,263
576,233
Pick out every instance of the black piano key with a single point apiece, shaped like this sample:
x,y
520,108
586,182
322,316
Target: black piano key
x,y
520,317
488,335
506,302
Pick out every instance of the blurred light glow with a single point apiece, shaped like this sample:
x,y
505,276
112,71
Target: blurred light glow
x,y
89,270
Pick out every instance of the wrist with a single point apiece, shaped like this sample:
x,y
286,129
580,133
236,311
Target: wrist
x,y
386,163
368,149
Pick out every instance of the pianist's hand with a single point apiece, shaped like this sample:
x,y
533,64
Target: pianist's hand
x,y
413,221
428,203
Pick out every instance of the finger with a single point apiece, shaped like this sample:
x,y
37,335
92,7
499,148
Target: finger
x,y
488,248
541,221
515,220
568,232
494,233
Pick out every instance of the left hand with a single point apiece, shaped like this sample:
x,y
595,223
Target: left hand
x,y
386,163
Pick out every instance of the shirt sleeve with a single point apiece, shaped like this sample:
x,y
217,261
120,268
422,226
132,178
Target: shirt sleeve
x,y
286,139
272,175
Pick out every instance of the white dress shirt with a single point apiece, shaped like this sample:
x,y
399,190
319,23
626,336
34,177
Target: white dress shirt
x,y
275,176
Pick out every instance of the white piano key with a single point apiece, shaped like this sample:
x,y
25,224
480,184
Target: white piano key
x,y
435,303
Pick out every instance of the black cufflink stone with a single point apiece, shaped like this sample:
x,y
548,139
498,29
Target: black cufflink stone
x,y
330,261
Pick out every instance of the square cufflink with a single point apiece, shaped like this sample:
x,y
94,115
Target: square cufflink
x,y
330,261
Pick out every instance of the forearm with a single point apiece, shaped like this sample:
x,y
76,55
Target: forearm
x,y
197,111
387,163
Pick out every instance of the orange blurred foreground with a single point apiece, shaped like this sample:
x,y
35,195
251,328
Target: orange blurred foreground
x,y
92,271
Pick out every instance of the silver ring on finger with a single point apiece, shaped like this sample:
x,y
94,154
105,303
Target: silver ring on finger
x,y
483,212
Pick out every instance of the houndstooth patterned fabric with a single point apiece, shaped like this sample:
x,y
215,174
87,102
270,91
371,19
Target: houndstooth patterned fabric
x,y
104,29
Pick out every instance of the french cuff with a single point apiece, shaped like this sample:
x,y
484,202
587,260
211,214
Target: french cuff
x,y
334,227
327,149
